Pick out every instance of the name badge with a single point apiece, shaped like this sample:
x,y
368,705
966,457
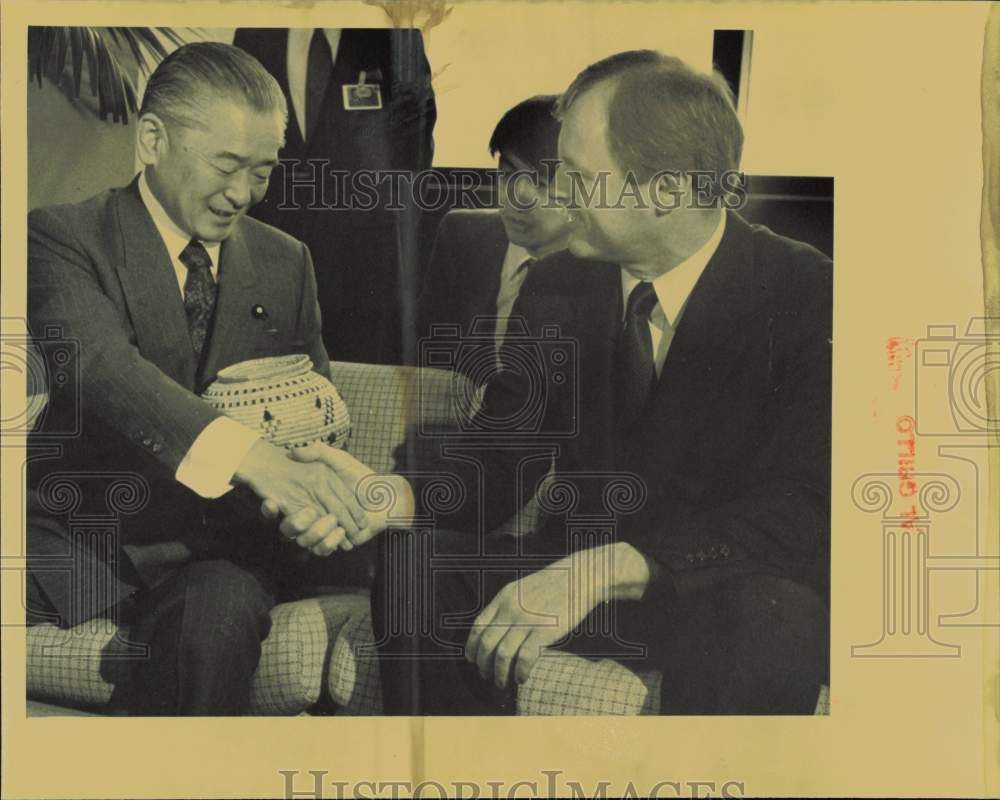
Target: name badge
x,y
362,96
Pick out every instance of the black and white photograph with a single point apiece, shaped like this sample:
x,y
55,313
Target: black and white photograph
x,y
650,363
469,365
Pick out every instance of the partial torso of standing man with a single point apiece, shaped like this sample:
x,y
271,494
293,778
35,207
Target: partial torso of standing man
x,y
377,112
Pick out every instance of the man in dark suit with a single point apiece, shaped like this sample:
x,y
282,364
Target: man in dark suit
x,y
366,259
161,284
681,381
482,257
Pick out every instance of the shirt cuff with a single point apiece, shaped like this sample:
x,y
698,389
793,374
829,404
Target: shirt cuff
x,y
208,467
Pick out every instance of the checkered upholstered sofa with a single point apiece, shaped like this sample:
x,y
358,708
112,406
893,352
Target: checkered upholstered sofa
x,y
310,660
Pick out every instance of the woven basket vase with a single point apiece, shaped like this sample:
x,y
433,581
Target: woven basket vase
x,y
283,400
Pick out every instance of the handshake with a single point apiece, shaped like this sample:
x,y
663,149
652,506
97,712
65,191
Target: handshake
x,y
314,491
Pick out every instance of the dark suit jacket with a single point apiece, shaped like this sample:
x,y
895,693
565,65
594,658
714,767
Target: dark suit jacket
x,y
100,275
463,277
733,452
362,270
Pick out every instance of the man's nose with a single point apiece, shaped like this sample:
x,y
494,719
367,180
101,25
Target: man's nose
x,y
238,191
524,193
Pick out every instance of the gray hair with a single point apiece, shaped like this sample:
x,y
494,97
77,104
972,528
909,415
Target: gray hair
x,y
664,115
186,83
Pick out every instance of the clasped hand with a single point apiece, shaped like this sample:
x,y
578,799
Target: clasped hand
x,y
314,490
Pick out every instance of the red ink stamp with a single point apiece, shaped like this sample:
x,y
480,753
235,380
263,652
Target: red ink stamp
x,y
897,350
906,455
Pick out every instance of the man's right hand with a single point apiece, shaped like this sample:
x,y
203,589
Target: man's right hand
x,y
392,500
304,489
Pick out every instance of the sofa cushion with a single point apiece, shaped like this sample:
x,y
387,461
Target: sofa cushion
x,y
390,405
564,684
353,680
79,666
561,684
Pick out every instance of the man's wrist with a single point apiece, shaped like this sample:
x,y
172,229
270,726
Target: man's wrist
x,y
254,465
620,571
210,463
404,506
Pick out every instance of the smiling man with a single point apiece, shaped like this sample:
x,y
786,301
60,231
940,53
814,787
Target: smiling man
x,y
688,526
163,283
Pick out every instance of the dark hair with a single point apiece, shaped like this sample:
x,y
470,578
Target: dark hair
x,y
664,115
186,83
529,130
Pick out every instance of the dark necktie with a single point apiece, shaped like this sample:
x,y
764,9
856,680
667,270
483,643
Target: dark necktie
x,y
199,293
318,71
634,369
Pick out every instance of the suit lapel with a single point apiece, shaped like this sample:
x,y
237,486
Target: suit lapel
x,y
604,330
149,282
493,247
234,327
708,342
585,315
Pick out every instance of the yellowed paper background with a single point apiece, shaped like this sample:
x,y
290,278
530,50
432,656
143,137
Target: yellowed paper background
x,y
883,97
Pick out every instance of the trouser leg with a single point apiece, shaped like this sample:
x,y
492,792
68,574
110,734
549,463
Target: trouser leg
x,y
423,608
204,627
754,645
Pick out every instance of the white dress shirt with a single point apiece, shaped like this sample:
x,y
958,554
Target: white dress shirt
x,y
297,65
673,288
512,275
208,467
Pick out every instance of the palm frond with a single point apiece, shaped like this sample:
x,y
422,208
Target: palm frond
x,y
52,49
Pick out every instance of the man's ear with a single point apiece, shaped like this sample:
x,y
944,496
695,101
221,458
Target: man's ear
x,y
152,141
667,191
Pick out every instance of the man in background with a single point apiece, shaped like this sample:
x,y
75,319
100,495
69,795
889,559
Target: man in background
x,y
482,257
161,284
359,99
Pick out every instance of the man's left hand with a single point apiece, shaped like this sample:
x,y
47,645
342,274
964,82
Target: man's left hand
x,y
527,616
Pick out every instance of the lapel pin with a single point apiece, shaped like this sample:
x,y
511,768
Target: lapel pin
x,y
258,312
